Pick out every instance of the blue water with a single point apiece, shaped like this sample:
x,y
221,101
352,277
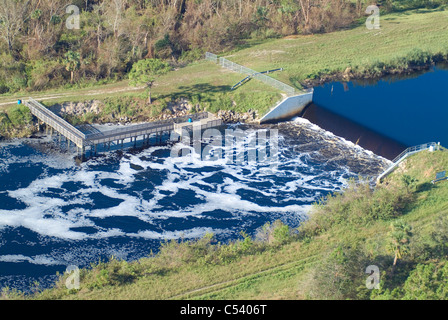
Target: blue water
x,y
411,111
55,212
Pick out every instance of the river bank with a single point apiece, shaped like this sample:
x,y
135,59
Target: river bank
x,y
135,109
405,44
413,63
128,203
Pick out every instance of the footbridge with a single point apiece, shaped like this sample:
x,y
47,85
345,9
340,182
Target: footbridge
x,y
55,124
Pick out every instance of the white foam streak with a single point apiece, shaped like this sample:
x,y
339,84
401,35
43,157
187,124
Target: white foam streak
x,y
180,234
38,260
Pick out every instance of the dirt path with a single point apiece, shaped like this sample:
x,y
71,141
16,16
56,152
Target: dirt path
x,y
69,94
237,281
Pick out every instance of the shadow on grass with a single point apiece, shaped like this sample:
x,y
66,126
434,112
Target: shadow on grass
x,y
425,187
421,9
196,89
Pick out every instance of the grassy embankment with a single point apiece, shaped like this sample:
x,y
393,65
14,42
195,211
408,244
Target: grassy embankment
x,y
406,40
325,259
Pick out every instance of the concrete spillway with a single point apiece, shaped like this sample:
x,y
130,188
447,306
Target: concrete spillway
x,y
354,132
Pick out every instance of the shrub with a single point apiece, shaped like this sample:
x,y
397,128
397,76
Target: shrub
x,y
191,55
419,57
5,123
358,205
43,72
425,282
114,272
340,275
20,116
276,233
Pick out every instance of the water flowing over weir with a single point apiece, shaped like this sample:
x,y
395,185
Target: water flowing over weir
x,y
354,132
54,213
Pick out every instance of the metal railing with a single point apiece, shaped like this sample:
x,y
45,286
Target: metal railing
x,y
254,74
257,75
59,124
211,57
406,153
145,128
81,140
415,149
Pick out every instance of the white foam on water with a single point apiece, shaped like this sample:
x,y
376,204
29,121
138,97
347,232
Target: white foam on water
x,y
38,260
191,195
179,234
45,216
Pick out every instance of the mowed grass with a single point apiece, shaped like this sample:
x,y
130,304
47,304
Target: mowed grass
x,y
74,94
305,56
203,83
210,85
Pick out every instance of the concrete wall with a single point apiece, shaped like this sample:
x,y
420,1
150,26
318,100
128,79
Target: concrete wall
x,y
288,108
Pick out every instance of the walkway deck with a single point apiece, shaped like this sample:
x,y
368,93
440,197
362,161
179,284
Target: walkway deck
x,y
54,122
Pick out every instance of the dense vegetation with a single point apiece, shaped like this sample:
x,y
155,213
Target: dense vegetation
x,y
400,227
41,46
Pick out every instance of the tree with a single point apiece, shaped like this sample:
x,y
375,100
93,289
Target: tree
x,y
400,238
144,72
13,15
409,182
72,63
306,6
340,274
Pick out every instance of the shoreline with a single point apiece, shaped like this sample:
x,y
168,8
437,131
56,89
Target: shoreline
x,y
308,132
349,75
252,116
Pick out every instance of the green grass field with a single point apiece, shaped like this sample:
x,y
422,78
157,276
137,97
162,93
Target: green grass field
x,y
306,56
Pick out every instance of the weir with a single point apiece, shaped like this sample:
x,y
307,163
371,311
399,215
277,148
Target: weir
x,y
354,132
54,123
